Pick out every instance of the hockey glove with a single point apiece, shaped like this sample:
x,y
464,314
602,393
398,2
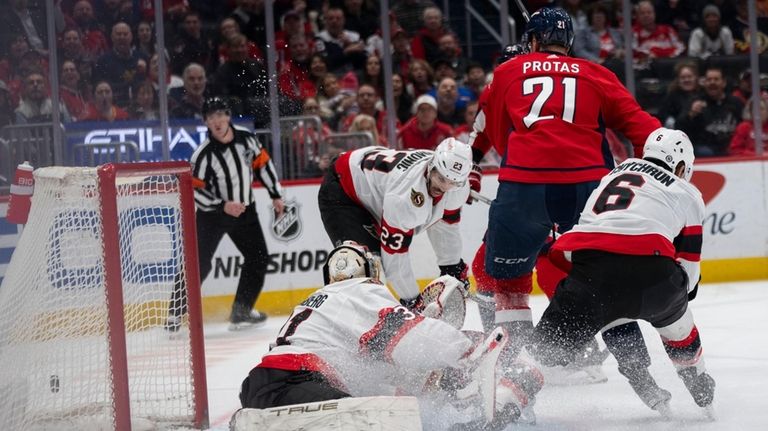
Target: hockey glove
x,y
414,304
475,179
458,271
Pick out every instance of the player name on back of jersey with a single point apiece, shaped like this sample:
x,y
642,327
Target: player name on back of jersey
x,y
664,177
412,158
315,300
550,66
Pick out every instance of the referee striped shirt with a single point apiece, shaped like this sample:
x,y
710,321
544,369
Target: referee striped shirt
x,y
225,172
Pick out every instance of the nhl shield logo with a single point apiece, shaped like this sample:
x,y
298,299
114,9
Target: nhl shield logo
x,y
288,226
417,198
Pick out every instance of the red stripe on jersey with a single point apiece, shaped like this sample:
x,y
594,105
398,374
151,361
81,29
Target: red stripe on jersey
x,y
452,216
639,245
680,344
301,362
344,171
393,324
690,257
692,230
394,240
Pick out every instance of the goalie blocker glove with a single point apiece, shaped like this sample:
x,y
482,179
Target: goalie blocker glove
x,y
458,271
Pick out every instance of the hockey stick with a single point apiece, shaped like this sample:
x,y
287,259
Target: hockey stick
x,y
480,198
523,10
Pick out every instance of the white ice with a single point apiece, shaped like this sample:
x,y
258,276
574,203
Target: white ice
x,y
732,320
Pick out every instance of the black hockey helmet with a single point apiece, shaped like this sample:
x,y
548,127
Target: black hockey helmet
x,y
551,26
213,104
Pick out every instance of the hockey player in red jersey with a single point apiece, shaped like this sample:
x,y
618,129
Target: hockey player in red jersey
x,y
353,338
634,254
382,198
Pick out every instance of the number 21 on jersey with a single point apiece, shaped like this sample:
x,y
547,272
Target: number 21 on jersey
x,y
543,87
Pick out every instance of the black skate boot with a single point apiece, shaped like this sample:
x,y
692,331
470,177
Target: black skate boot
x,y
701,386
244,317
646,388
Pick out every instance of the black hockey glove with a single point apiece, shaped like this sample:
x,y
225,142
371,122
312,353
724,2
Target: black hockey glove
x,y
458,271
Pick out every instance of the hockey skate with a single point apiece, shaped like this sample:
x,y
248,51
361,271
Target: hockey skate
x,y
243,317
585,369
646,388
702,388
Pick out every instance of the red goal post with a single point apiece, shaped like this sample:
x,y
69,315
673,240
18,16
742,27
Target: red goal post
x,y
85,298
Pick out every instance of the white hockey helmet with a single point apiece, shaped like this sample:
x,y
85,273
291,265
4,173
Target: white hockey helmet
x,y
350,260
453,160
670,147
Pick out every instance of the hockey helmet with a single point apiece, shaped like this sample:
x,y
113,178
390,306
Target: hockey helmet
x,y
670,147
452,160
551,26
350,260
213,104
511,51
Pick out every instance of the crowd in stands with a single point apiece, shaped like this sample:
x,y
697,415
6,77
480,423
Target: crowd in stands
x,y
329,63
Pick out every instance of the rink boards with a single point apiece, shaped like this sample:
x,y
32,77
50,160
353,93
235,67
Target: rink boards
x,y
735,237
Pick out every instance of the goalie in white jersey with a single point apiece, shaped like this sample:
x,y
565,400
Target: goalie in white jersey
x,y
634,254
381,198
353,338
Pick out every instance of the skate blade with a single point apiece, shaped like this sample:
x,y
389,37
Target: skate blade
x,y
709,412
664,410
560,376
244,326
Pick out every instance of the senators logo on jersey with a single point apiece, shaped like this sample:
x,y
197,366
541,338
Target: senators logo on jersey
x,y
417,198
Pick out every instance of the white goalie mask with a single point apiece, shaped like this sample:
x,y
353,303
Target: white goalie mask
x,y
452,160
350,260
444,299
670,147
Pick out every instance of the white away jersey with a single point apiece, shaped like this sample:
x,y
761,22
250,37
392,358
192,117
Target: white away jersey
x,y
351,329
640,208
392,186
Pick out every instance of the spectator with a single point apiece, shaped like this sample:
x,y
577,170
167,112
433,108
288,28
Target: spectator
x,y
35,105
144,105
652,40
102,108
343,49
683,16
145,39
229,28
712,38
401,52
318,68
334,103
192,45
187,102
740,30
682,91
153,74
366,123
6,109
710,121
361,18
475,79
243,80
599,42
403,100
10,67
421,77
423,131
111,12
450,50
72,47
71,91
743,90
449,109
462,131
122,67
19,19
85,69
294,79
367,102
374,44
93,38
292,24
409,14
250,18
372,74
743,141
426,43
311,163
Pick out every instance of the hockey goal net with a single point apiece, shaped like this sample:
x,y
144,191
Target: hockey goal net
x,y
85,299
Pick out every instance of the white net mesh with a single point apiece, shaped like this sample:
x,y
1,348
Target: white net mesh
x,y
54,342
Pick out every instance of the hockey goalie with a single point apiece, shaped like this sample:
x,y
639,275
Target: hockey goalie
x,y
352,357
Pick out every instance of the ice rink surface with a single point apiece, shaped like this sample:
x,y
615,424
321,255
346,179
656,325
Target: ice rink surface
x,y
732,320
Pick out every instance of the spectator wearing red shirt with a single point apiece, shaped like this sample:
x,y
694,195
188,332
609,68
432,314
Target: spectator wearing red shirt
x,y
401,51
229,28
93,38
102,108
423,131
652,40
292,24
294,80
426,43
743,140
367,103
71,92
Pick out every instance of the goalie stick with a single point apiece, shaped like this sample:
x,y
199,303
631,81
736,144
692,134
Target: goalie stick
x,y
523,10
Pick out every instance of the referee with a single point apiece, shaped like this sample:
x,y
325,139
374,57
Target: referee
x,y
223,168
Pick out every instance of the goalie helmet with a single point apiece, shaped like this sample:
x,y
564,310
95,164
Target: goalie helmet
x,y
350,260
453,160
670,147
550,26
